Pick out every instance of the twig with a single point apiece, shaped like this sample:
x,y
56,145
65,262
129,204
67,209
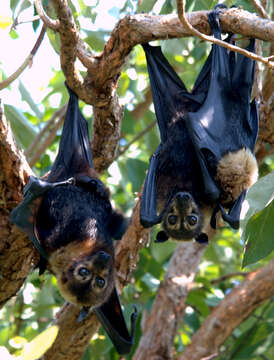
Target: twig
x,y
260,9
46,143
50,23
182,16
228,276
28,61
137,137
56,114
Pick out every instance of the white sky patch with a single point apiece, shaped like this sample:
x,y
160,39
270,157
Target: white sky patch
x,y
142,84
54,100
228,252
158,6
189,310
28,293
132,74
115,174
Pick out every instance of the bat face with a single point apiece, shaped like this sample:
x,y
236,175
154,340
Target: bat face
x,y
85,277
183,218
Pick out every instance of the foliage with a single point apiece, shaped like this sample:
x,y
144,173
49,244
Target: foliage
x,y
34,307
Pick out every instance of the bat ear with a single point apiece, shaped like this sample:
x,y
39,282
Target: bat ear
x,y
202,238
161,237
111,317
118,225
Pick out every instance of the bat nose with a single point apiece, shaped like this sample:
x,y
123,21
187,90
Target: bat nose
x,y
183,200
103,258
183,197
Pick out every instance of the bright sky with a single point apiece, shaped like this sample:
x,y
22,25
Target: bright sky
x,y
36,78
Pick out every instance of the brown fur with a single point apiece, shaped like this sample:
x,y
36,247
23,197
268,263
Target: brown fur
x,y
236,172
63,263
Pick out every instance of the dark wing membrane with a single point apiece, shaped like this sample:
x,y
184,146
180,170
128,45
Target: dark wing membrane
x,y
111,317
227,121
171,101
74,155
165,86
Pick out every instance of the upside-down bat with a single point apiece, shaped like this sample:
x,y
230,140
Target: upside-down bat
x,y
205,161
71,222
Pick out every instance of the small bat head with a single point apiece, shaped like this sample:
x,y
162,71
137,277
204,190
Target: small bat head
x,y
182,219
84,278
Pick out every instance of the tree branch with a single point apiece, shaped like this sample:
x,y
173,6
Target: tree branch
x,y
260,9
257,287
16,250
269,61
27,62
169,303
49,139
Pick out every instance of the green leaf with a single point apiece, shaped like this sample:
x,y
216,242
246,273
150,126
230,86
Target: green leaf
x,y
40,344
258,196
22,130
23,6
27,97
96,39
54,40
146,6
13,4
258,235
136,170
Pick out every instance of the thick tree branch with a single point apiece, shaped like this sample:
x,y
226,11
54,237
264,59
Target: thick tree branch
x,y
169,303
16,250
257,287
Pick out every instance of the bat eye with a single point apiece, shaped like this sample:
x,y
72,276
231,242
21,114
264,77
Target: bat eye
x,y
172,219
192,220
100,282
83,272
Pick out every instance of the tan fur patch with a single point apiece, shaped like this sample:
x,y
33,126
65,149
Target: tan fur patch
x,y
60,259
236,172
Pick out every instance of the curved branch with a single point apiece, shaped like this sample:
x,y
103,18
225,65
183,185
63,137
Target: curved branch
x,y
269,61
257,287
28,61
50,23
260,9
16,250
169,303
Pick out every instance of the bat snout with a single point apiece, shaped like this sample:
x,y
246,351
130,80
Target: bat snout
x,y
102,259
184,200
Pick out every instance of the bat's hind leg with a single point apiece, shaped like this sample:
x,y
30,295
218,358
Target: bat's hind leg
x,y
236,172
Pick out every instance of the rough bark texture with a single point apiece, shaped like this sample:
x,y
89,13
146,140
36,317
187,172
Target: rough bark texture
x,y
161,324
16,251
257,287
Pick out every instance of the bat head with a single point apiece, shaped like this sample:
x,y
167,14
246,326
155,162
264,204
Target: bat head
x,y
182,219
85,275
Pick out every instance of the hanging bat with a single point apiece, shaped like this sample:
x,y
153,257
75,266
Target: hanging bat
x,y
205,162
71,222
